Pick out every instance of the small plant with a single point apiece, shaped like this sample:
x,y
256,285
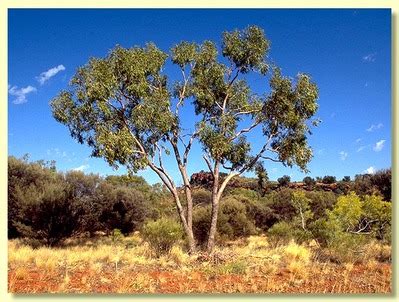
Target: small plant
x,y
116,235
162,234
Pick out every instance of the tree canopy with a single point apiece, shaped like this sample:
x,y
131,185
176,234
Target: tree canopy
x,y
126,109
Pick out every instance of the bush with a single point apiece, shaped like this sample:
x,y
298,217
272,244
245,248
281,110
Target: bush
x,y
162,234
321,201
280,233
51,217
283,232
122,208
280,203
201,196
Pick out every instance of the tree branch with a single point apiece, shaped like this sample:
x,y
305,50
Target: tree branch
x,y
208,162
245,130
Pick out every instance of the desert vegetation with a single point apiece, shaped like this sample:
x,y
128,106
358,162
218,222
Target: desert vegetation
x,y
209,232
76,232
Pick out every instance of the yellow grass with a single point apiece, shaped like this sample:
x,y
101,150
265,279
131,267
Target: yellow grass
x,y
130,266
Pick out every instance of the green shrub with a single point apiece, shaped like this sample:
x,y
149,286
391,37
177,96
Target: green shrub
x,y
346,247
283,232
201,196
280,233
162,234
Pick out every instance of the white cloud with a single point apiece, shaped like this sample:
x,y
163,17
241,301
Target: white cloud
x,y
370,57
20,94
46,75
343,155
379,145
358,140
374,127
361,148
81,168
370,170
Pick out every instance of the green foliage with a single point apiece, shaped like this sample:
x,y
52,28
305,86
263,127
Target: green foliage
x,y
116,235
302,207
122,208
281,233
122,106
280,203
321,201
117,102
347,211
162,234
262,176
40,204
378,213
378,183
329,179
48,213
201,197
233,221
309,181
48,206
284,180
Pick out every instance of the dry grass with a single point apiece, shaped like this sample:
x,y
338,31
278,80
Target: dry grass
x,y
128,266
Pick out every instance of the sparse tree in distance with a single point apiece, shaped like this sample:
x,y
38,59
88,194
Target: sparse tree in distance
x,y
328,179
309,181
263,178
129,112
284,181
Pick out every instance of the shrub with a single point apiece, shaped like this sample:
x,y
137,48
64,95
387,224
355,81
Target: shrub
x,y
321,201
283,232
280,203
201,196
162,234
280,233
50,217
121,207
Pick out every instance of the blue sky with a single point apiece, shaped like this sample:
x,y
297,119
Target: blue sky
x,y
347,53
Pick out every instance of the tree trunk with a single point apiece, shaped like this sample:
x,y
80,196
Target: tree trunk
x,y
188,230
216,196
215,209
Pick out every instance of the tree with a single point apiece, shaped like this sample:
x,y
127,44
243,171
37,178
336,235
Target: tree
x,y
284,180
263,178
309,181
346,179
302,206
329,179
126,110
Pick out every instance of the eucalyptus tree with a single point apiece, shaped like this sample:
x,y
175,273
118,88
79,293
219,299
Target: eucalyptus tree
x,y
128,111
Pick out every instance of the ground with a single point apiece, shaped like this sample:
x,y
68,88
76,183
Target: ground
x,y
127,265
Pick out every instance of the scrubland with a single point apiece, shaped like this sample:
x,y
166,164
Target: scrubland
x,y
251,265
